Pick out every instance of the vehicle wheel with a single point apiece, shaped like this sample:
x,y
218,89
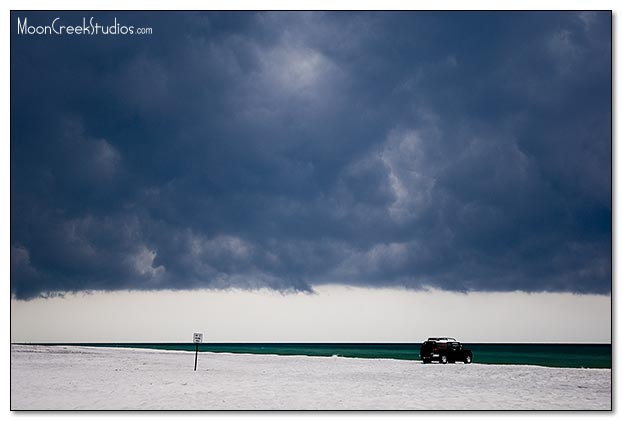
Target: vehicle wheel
x,y
467,359
426,360
443,359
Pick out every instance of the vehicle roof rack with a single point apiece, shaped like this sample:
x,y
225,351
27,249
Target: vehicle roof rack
x,y
444,339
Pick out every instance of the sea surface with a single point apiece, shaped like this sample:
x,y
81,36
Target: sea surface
x,y
551,355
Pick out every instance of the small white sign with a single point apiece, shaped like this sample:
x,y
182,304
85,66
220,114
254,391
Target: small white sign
x,y
198,338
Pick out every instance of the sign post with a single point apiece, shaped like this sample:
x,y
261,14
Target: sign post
x,y
197,339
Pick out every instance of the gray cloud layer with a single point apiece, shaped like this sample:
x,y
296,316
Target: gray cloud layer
x,y
461,151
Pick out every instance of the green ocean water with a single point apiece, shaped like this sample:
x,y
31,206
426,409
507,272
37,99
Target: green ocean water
x,y
551,355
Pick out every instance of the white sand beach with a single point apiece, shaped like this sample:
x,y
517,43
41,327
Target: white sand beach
x,y
74,378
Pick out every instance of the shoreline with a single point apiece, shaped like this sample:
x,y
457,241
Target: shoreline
x,y
415,361
595,356
45,377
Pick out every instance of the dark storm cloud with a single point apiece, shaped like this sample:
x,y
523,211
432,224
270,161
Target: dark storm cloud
x,y
461,151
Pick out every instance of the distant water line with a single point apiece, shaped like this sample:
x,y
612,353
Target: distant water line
x,y
550,355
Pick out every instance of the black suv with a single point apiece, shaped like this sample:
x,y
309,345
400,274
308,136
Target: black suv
x,y
444,350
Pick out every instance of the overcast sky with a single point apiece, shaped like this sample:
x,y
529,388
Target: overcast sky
x,y
453,151
334,313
